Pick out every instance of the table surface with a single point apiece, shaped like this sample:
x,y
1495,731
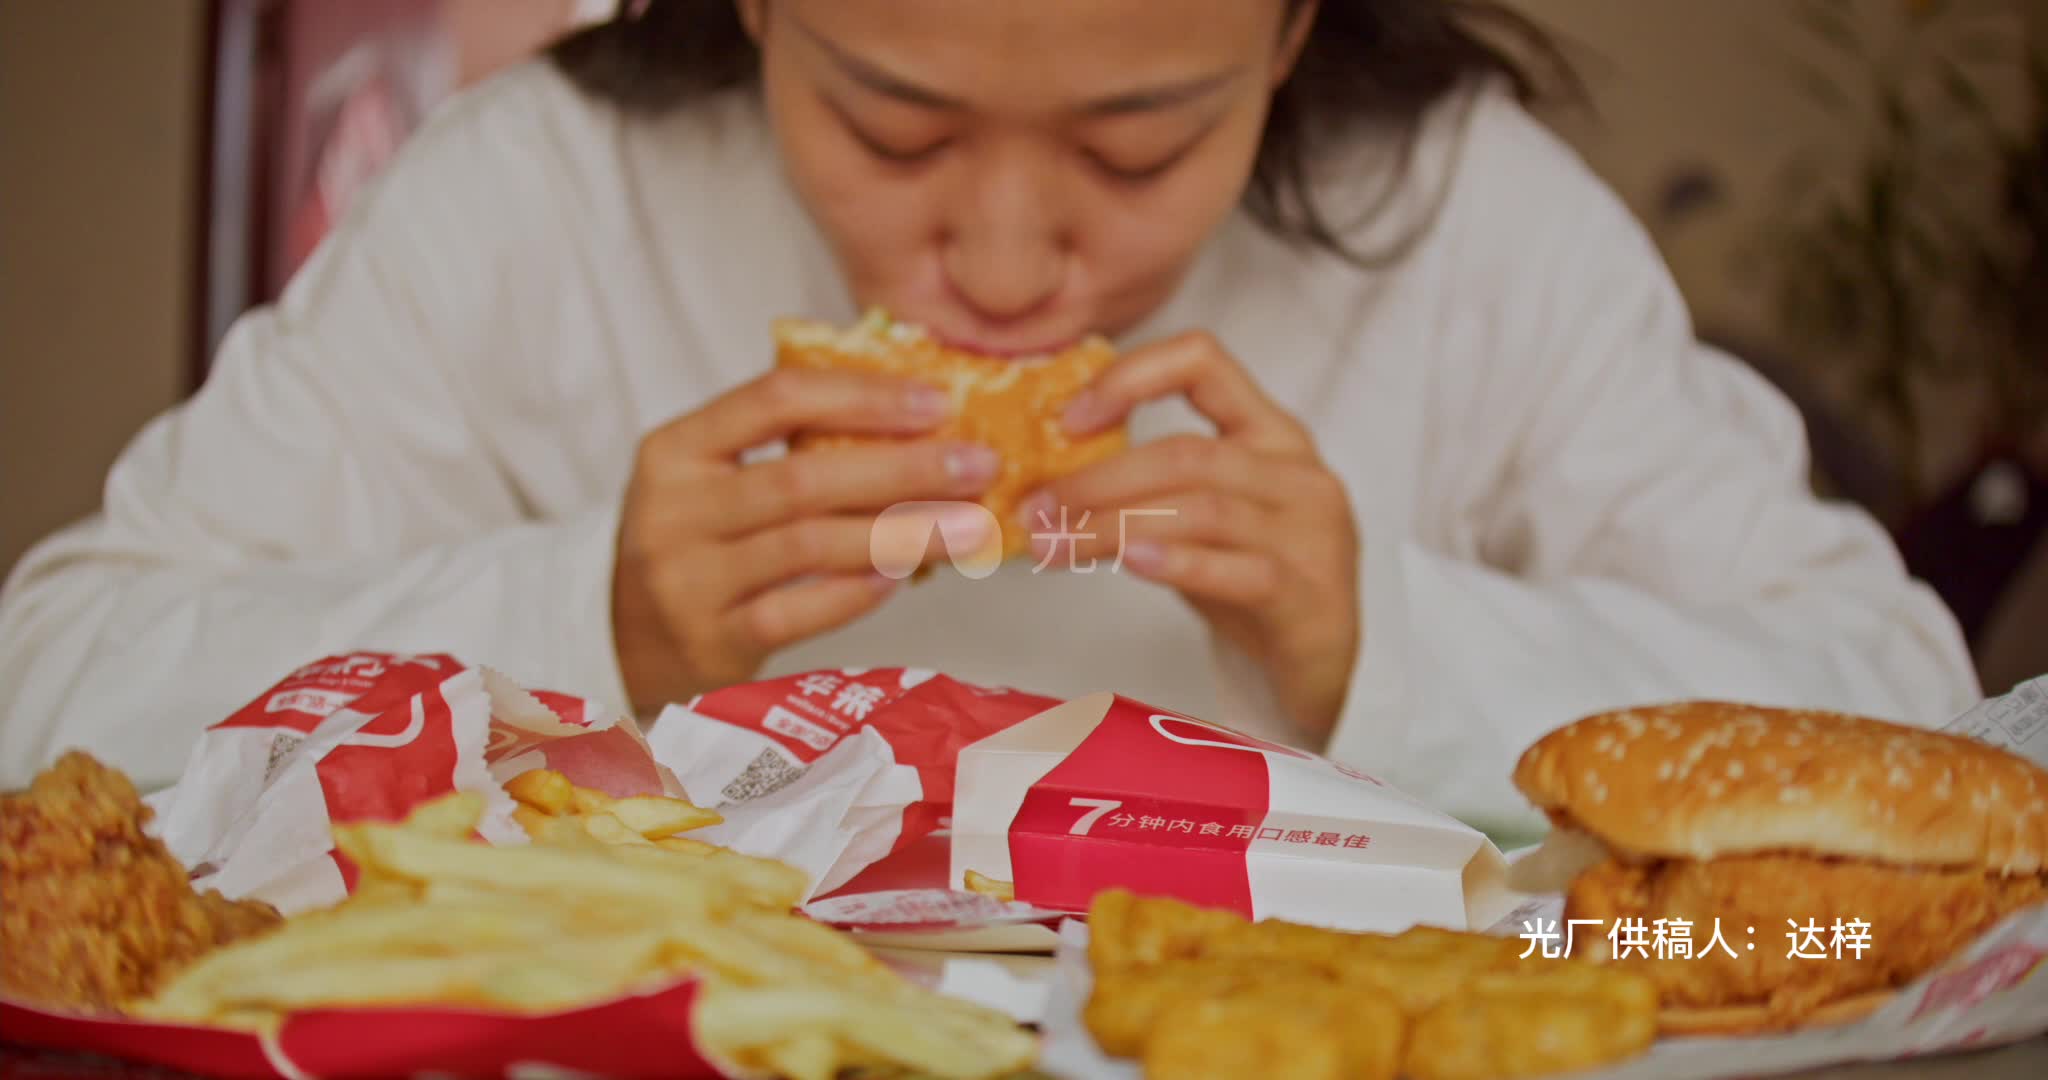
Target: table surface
x,y
2020,1061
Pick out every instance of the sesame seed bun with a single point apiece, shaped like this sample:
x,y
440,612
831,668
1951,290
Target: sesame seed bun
x,y
1011,405
1706,778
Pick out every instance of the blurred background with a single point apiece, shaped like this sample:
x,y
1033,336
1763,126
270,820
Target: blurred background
x,y
1852,193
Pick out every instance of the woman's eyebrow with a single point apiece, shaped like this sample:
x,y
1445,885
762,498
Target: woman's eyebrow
x,y
1162,95
1139,99
877,79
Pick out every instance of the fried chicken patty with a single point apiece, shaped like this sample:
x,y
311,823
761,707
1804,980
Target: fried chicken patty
x,y
97,912
1917,916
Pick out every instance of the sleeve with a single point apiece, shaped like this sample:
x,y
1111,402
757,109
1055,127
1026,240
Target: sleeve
x,y
1639,520
331,487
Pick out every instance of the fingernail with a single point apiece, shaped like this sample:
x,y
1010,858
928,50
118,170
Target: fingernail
x,y
969,524
1145,556
1036,511
1083,413
927,403
883,583
971,463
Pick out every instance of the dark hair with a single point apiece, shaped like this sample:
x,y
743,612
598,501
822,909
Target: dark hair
x,y
1366,63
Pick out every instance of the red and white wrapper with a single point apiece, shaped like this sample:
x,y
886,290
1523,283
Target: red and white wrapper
x,y
367,737
1991,993
831,771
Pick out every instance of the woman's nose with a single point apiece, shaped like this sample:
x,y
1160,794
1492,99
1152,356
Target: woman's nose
x,y
1005,246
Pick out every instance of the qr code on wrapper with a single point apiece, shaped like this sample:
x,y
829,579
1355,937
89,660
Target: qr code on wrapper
x,y
765,775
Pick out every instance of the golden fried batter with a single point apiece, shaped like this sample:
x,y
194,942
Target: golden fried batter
x,y
1129,1003
1233,1038
1422,966
96,911
1554,1017
1280,1024
1199,994
1917,918
1126,930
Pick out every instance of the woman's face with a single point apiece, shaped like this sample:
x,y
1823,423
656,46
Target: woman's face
x,y
1017,173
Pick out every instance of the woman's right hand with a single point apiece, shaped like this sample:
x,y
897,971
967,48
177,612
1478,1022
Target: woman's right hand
x,y
720,564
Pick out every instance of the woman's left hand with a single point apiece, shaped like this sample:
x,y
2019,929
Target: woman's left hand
x,y
1248,525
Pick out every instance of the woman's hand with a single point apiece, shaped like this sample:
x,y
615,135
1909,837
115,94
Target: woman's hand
x,y
720,564
1249,525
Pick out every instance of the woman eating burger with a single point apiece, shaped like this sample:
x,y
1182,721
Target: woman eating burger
x,y
1424,458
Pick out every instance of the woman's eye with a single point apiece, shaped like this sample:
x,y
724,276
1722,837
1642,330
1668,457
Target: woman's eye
x,y
900,155
1130,174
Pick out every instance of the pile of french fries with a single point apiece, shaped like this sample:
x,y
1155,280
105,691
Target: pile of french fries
x,y
608,900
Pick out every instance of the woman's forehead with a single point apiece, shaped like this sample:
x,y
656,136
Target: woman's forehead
x,y
1065,52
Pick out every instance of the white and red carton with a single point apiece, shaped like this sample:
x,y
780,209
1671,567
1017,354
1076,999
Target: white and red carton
x,y
1104,791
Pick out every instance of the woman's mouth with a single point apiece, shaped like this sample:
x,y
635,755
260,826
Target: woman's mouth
x,y
1006,350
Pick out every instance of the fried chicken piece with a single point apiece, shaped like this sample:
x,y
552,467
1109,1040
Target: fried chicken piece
x,y
1553,1017
1126,1005
1917,918
1288,1021
1130,931
1239,1037
1424,965
97,912
1417,967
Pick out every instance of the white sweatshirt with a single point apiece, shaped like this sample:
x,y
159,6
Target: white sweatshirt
x,y
1566,503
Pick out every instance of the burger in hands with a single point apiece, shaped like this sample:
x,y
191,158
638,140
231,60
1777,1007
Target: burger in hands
x,y
1010,404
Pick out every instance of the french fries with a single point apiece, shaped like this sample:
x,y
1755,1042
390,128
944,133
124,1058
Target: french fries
x,y
594,908
544,790
987,886
546,796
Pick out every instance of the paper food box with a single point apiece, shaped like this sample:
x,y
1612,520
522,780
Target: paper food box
x,y
1104,791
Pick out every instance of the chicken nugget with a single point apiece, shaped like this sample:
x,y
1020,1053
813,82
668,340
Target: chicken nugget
x,y
1422,966
1230,1039
1126,1004
1533,1022
1276,939
1301,1007
1126,930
